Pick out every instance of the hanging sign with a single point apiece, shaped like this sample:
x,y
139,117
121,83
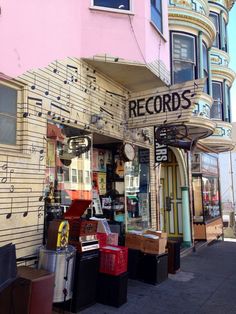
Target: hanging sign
x,y
161,150
164,105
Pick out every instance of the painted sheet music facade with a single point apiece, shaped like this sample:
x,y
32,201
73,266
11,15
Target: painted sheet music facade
x,y
68,92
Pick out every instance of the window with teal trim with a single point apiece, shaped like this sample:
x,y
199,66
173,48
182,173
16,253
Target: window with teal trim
x,y
221,40
214,17
156,14
217,106
228,104
205,68
183,54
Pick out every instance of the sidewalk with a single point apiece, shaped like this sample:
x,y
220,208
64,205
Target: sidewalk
x,y
206,283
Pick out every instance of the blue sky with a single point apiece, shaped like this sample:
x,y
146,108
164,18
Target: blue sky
x,y
232,52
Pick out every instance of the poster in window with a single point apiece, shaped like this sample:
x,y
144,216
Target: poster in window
x,y
95,181
95,160
102,183
101,160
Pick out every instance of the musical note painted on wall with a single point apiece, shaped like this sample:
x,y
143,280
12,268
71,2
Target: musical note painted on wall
x,y
25,214
36,102
71,74
48,89
8,216
39,215
33,87
8,174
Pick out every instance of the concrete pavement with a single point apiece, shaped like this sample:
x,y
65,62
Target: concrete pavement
x,y
206,283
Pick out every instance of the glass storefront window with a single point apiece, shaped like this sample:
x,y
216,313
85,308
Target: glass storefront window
x,y
210,190
115,189
206,198
137,191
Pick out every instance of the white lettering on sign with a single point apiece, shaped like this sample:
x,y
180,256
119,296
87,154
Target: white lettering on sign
x,y
161,151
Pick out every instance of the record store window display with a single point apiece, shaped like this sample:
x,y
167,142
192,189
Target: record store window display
x,y
68,162
137,190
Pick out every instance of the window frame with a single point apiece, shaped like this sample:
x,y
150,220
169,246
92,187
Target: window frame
x,y
195,74
217,39
153,8
19,90
116,10
228,89
221,100
205,71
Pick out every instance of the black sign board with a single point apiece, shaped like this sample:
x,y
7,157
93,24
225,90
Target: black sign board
x,y
161,150
143,156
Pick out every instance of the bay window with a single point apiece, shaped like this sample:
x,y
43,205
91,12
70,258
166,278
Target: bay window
x,y
214,17
217,94
183,58
205,67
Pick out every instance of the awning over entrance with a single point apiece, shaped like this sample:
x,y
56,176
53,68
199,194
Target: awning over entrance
x,y
132,75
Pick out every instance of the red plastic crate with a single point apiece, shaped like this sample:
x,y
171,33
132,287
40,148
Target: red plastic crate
x,y
102,239
113,259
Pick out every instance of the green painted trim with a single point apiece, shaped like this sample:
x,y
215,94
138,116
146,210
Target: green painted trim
x,y
184,188
200,43
186,244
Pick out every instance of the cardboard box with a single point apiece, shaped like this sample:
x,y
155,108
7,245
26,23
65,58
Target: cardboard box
x,y
158,233
134,241
154,246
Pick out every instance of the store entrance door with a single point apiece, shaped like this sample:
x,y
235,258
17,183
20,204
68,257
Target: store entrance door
x,y
170,198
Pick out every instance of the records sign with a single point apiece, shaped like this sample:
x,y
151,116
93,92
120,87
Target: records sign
x,y
161,150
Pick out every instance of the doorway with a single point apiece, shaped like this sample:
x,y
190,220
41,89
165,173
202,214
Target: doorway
x,y
170,198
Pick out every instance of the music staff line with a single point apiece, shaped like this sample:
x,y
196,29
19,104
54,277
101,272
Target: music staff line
x,y
83,99
115,98
21,236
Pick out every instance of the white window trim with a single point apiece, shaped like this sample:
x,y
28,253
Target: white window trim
x,y
21,124
130,12
172,49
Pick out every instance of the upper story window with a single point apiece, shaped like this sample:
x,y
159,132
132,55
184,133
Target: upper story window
x,y
225,38
221,31
217,106
113,4
8,115
156,14
205,67
183,58
214,17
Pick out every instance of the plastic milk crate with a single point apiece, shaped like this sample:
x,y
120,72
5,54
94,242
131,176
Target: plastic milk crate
x,y
113,259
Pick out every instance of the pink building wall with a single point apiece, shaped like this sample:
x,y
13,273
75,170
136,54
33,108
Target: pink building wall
x,y
35,33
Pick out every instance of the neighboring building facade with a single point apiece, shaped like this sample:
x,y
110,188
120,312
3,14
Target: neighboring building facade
x,y
64,85
227,168
199,49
